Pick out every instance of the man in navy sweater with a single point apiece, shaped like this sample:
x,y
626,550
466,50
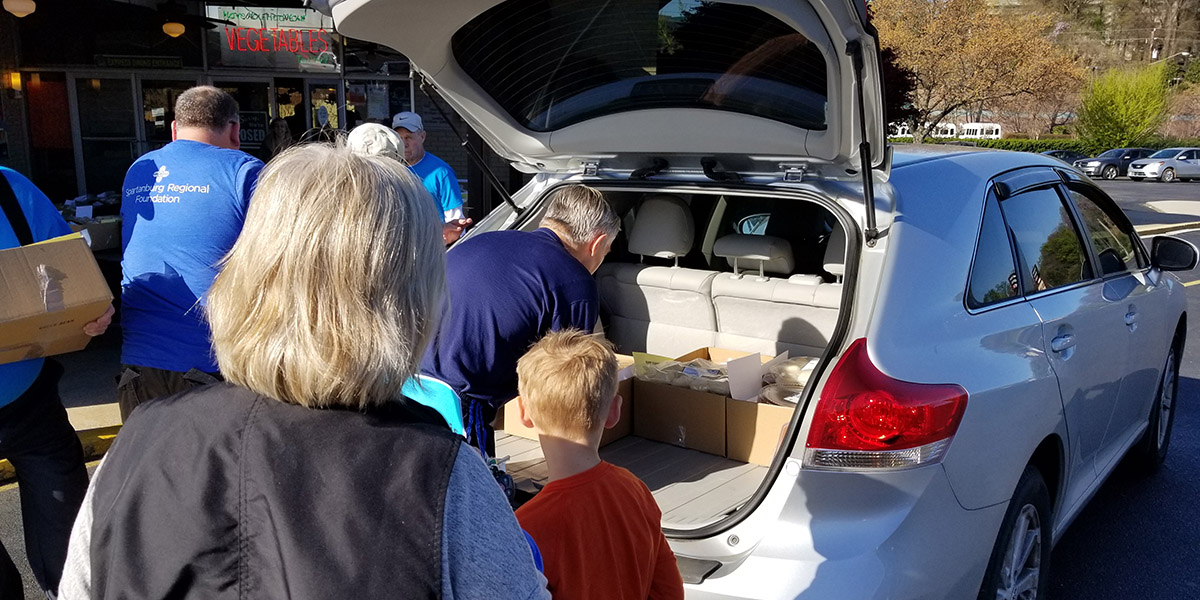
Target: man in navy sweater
x,y
506,289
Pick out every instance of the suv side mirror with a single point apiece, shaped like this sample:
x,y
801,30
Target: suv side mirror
x,y
1172,254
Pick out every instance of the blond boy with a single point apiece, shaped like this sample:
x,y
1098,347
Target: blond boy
x,y
597,525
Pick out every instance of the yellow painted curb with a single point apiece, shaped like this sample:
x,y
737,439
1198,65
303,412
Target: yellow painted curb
x,y
1163,229
95,443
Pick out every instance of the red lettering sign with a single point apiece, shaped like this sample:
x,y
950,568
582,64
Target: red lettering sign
x,y
308,41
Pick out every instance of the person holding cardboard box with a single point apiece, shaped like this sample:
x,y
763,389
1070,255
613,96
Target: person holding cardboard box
x,y
35,435
507,289
596,524
182,206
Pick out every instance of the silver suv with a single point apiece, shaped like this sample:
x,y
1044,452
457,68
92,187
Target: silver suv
x,y
991,334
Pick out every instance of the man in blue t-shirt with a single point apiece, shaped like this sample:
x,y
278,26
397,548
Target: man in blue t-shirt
x,y
183,207
35,435
437,176
506,289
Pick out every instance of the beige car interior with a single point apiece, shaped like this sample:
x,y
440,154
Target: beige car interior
x,y
760,305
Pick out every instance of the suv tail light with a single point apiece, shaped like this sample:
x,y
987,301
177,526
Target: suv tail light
x,y
867,420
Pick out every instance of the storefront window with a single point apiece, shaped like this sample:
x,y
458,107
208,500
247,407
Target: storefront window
x,y
368,58
277,39
158,108
375,101
105,33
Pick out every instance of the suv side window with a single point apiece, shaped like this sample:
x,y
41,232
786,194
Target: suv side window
x,y
993,272
1050,252
1111,235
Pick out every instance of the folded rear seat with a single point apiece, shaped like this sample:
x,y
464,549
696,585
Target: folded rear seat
x,y
664,310
757,313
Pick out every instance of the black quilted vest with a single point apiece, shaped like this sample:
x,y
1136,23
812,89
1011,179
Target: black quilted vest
x,y
220,493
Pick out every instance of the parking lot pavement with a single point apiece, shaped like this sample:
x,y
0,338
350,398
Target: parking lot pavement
x,y
1156,205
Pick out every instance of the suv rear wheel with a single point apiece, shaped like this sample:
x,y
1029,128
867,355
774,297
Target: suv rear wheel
x,y
1020,559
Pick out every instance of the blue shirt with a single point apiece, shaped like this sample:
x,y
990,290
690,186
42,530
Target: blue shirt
x,y
183,206
440,180
44,223
505,289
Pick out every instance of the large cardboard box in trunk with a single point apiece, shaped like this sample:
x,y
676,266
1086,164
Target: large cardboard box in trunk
x,y
697,419
753,430
48,292
509,417
681,416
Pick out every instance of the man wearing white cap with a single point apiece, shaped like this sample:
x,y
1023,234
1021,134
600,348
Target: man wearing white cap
x,y
438,177
374,139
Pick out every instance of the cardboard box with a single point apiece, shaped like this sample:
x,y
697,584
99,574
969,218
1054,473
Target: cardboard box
x,y
509,418
48,292
753,430
680,416
103,233
696,419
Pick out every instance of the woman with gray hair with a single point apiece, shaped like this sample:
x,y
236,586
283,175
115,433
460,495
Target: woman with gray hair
x,y
307,474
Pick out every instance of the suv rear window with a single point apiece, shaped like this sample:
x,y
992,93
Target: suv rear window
x,y
554,63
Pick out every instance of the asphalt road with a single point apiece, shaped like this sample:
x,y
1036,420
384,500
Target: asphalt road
x,y
1136,539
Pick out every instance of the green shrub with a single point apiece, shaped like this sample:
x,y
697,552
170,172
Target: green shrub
x,y
1124,107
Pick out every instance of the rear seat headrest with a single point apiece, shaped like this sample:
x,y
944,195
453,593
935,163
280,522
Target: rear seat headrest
x,y
774,253
663,227
835,251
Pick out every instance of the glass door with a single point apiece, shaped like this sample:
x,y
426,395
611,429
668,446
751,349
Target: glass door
x,y
324,100
254,100
158,109
376,101
106,126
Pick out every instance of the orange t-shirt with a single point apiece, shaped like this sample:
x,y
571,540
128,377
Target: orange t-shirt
x,y
600,537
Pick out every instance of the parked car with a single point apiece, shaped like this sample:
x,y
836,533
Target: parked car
x,y
990,334
1168,165
1067,156
1112,163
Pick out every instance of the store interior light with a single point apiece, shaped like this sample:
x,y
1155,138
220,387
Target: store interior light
x,y
20,8
173,28
14,81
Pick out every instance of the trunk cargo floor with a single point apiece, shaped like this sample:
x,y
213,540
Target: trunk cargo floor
x,y
692,488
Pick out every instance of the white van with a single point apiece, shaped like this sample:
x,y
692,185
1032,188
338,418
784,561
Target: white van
x,y
980,131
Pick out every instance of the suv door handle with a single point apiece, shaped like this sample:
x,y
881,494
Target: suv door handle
x,y
1131,318
1062,342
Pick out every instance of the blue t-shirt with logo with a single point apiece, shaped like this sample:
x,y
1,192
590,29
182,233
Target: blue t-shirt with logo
x,y
440,180
183,207
44,223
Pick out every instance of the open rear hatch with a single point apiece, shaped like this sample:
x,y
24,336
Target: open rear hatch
x,y
559,86
555,84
